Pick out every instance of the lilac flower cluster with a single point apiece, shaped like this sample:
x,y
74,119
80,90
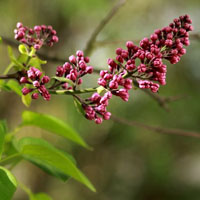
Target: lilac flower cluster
x,y
96,109
75,69
36,37
166,43
37,82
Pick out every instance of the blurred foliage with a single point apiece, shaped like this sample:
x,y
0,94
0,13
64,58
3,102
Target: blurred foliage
x,y
127,162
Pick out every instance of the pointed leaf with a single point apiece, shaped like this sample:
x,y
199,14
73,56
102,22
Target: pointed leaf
x,y
79,107
45,154
8,184
62,79
44,166
26,99
18,65
23,49
14,86
52,124
100,89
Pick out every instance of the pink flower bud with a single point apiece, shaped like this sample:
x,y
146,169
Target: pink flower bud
x,y
72,59
98,120
55,38
89,69
25,91
45,79
23,80
35,96
106,115
79,53
36,84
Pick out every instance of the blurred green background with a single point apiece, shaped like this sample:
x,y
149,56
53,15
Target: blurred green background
x,y
127,163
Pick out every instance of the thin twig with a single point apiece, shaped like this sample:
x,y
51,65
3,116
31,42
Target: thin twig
x,y
72,92
101,25
162,101
157,128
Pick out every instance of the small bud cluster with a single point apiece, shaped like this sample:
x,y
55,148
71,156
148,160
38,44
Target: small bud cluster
x,y
75,69
37,82
96,109
36,37
114,78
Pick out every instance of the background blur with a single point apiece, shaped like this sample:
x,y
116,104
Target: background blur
x,y
127,162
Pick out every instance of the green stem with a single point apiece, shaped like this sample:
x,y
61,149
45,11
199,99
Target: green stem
x,y
72,92
10,159
25,188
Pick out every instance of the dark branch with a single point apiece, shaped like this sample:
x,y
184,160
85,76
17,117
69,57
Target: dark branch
x,y
157,128
10,76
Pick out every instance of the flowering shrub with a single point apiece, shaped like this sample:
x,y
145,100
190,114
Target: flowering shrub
x,y
31,82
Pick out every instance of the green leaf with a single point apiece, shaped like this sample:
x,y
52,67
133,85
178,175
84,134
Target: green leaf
x,y
22,58
79,107
8,68
100,89
44,154
44,166
32,52
26,99
23,49
53,125
0,40
2,135
8,184
62,79
3,85
40,196
14,86
36,62
17,65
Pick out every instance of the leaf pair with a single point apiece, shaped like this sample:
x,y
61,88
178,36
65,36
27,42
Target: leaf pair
x,y
47,157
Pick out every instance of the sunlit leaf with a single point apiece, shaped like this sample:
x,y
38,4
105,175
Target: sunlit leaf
x,y
32,52
26,99
23,49
100,89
